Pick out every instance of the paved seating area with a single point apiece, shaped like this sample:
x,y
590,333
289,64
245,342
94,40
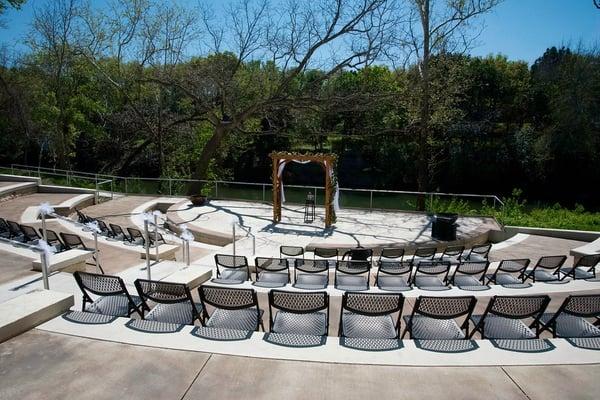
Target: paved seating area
x,y
196,364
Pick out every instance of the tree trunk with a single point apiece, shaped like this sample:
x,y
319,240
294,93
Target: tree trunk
x,y
208,152
424,115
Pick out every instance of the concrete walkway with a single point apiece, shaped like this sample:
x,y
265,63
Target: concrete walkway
x,y
44,365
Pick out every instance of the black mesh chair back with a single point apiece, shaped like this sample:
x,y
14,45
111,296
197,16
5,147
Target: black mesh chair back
x,y
444,307
226,261
440,269
30,233
441,308
310,266
102,285
517,307
552,263
227,298
299,303
291,251
480,251
395,268
135,235
358,254
514,267
586,306
391,253
72,241
453,252
324,252
118,232
425,252
167,293
372,305
476,269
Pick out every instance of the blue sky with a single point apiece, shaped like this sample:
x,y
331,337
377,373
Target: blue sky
x,y
519,29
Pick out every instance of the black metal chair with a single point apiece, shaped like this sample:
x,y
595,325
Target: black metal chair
x,y
174,303
311,274
299,313
352,276
271,272
29,233
423,254
435,318
72,241
82,218
452,254
510,272
231,269
571,319
432,275
114,299
15,232
233,308
104,229
391,254
371,315
394,276
505,315
470,275
547,269
118,233
324,252
53,240
478,253
358,254
291,251
156,237
584,268
136,236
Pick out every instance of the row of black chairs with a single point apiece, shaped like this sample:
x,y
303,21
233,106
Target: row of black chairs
x,y
354,275
453,254
129,235
363,315
60,242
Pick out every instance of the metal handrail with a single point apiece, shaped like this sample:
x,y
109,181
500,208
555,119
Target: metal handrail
x,y
216,183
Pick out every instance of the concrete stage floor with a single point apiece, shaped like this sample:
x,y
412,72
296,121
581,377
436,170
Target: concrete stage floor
x,y
353,227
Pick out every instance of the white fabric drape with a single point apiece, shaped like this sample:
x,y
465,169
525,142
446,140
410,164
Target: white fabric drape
x,y
336,193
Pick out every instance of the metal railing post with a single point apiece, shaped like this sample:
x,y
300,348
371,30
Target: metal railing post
x,y
44,261
233,236
371,200
216,189
156,235
170,187
147,243
264,192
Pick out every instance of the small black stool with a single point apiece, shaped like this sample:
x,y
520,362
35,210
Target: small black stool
x,y
309,208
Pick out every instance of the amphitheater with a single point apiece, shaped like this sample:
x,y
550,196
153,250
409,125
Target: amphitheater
x,y
57,342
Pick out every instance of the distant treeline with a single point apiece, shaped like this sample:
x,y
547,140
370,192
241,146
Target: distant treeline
x,y
496,124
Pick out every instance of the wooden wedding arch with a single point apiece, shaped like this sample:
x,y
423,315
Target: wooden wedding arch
x,y
327,161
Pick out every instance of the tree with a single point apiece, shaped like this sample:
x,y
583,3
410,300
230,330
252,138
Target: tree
x,y
432,28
